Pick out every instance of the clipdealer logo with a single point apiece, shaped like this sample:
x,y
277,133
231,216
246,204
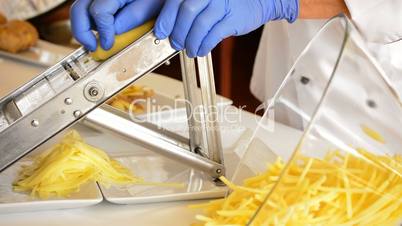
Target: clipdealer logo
x,y
181,111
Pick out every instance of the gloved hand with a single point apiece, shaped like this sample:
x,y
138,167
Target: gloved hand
x,y
199,25
109,17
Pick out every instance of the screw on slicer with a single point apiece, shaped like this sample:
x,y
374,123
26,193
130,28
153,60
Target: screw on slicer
x,y
217,180
157,41
93,92
68,101
77,113
35,123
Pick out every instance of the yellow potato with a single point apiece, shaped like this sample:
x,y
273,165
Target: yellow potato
x,y
122,41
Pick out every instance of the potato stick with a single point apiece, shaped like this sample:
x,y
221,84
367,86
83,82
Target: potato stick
x,y
305,171
373,134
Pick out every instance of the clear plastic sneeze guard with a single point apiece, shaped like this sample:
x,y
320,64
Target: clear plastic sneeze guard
x,y
344,167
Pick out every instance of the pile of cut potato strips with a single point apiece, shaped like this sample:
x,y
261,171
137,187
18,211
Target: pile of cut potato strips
x,y
340,189
132,99
62,170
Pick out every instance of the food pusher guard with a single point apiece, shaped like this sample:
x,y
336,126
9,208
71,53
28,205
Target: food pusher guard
x,y
75,88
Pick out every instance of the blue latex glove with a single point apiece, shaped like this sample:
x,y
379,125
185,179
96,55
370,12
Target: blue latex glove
x,y
109,17
199,25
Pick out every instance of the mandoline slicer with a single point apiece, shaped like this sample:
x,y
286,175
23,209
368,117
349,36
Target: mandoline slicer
x,y
74,90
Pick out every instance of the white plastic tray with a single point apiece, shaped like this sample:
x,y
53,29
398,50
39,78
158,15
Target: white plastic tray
x,y
11,201
195,184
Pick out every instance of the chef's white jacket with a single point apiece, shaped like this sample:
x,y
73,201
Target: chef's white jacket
x,y
378,21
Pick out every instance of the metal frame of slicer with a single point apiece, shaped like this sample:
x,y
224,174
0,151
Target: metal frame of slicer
x,y
74,90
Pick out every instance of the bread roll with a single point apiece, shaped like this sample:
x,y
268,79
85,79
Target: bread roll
x,y
3,19
17,35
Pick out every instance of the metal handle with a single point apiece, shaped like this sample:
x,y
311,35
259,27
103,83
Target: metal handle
x,y
208,93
